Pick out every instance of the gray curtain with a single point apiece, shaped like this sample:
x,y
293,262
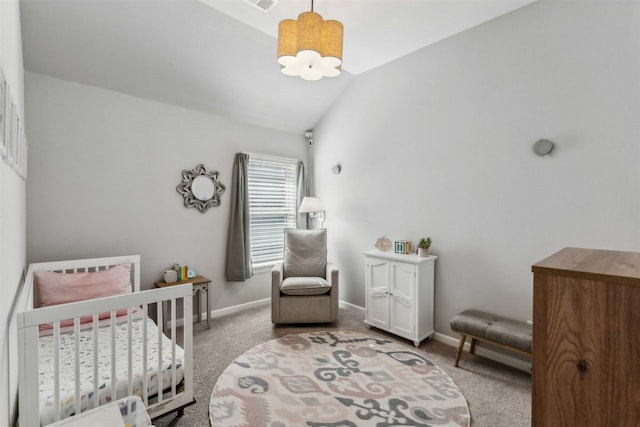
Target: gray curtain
x,y
239,267
302,219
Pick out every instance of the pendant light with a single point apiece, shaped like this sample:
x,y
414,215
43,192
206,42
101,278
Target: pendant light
x,y
310,47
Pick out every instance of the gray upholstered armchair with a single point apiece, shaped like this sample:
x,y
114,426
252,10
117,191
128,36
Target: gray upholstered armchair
x,y
304,287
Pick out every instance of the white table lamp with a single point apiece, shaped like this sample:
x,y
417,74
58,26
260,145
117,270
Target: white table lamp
x,y
313,207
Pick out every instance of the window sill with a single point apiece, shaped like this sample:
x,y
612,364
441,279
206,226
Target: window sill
x,y
264,267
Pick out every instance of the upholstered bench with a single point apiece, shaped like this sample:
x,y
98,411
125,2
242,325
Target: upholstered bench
x,y
500,331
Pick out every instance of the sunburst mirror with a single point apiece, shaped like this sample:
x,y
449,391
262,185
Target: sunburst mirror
x,y
200,188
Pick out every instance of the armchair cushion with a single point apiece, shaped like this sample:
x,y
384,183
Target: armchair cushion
x,y
305,286
305,253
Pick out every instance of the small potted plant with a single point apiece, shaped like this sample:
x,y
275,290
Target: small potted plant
x,y
423,246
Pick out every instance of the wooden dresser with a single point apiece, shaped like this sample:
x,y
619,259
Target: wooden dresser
x,y
586,339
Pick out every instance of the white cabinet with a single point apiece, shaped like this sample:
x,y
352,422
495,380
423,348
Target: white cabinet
x,y
400,294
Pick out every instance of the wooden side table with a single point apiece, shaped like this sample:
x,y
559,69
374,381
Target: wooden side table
x,y
200,285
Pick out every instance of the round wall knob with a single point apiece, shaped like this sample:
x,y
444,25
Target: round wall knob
x,y
542,147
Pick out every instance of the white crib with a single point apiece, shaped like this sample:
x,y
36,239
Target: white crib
x,y
74,368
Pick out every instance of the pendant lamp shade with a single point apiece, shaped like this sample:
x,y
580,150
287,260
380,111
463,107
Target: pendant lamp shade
x,y
310,47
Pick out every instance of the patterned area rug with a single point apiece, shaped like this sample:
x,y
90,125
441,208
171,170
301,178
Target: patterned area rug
x,y
335,379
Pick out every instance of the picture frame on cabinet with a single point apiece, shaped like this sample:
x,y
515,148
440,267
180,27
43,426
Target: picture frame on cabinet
x,y
3,121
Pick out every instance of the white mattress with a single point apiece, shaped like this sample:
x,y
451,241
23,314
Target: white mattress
x,y
67,371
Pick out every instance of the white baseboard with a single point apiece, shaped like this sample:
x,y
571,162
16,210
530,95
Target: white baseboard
x,y
245,306
480,350
236,308
225,311
348,304
485,352
445,339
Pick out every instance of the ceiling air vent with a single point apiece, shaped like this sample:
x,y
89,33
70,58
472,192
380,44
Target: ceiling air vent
x,y
263,5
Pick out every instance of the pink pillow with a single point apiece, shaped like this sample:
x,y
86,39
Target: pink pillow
x,y
61,288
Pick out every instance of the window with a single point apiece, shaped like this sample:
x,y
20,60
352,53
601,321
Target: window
x,y
272,205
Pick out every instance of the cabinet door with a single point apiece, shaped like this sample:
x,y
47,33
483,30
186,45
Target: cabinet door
x,y
585,355
377,298
402,298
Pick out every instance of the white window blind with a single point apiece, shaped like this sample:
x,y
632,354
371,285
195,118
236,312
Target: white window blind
x,y
272,205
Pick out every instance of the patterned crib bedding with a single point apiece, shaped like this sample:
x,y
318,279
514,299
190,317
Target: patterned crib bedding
x,y
67,370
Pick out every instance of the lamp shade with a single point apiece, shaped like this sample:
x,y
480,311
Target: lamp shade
x,y
311,204
287,38
310,47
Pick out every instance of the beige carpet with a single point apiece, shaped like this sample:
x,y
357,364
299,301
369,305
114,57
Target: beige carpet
x,y
497,395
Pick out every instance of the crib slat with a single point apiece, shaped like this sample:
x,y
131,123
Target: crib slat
x,y
96,372
56,369
114,378
76,338
159,373
145,376
187,346
130,351
173,347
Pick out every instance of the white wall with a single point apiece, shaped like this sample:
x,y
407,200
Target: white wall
x,y
104,168
12,219
439,143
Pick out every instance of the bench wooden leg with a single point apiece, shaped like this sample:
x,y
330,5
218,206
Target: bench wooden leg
x,y
459,351
472,348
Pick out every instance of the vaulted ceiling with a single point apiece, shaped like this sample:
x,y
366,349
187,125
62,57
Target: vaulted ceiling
x,y
218,56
